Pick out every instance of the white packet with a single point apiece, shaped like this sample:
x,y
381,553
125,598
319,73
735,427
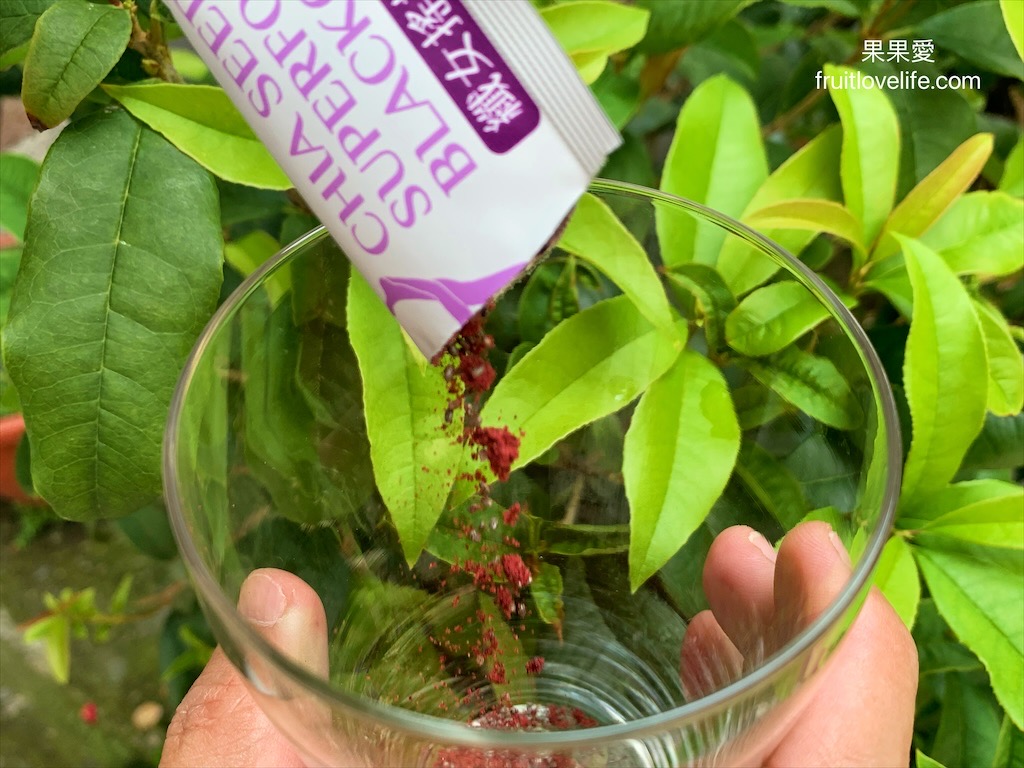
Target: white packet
x,y
441,142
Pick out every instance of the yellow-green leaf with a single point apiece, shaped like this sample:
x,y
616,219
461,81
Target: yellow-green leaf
x,y
773,317
1013,16
589,31
871,150
1012,181
926,202
201,121
980,235
945,353
598,237
678,456
1005,364
896,575
812,216
717,158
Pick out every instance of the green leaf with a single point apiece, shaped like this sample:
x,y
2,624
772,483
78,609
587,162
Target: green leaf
x,y
1010,747
150,531
249,252
678,24
896,576
979,592
921,760
107,305
1005,365
55,634
593,364
404,401
988,512
756,405
773,317
716,300
980,234
18,177
18,20
546,589
1012,181
945,352
998,444
935,193
589,31
772,485
1013,17
678,455
811,383
969,722
812,216
598,237
201,121
889,277
871,151
811,173
716,158
975,32
74,46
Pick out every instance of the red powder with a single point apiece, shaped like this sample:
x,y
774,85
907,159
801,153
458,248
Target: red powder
x,y
504,600
499,446
497,674
535,665
511,515
88,713
476,373
516,571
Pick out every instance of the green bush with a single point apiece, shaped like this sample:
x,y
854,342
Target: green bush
x,y
907,200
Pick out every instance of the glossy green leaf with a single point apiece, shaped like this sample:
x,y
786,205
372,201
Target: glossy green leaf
x,y
1010,746
979,592
896,575
935,193
811,173
249,252
871,151
591,365
716,300
404,402
674,25
716,158
989,512
976,32
18,177
889,277
546,589
591,30
980,234
18,20
598,237
998,444
773,317
772,485
74,46
201,121
678,456
921,760
107,305
811,216
945,353
1005,364
1012,181
1013,17
968,726
811,383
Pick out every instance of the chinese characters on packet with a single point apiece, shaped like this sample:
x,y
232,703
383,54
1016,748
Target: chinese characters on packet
x,y
919,50
489,98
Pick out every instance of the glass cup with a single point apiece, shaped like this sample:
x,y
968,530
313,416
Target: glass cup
x,y
268,464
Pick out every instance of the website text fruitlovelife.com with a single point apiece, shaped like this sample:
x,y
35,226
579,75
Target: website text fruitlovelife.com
x,y
855,80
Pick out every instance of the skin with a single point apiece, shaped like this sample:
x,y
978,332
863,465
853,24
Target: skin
x,y
860,711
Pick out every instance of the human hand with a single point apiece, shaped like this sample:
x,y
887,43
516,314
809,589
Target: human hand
x,y
219,723
861,711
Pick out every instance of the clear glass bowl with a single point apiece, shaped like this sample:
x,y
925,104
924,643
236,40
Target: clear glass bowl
x,y
268,464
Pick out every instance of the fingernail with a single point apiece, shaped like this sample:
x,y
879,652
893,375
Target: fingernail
x,y
837,543
762,545
262,601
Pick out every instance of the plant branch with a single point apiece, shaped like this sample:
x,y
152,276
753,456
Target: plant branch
x,y
156,56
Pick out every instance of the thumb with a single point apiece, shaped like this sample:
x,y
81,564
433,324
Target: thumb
x,y
219,723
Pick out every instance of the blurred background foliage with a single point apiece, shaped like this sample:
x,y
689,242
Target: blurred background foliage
x,y
712,97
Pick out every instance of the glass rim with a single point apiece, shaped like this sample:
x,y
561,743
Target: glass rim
x,y
450,732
